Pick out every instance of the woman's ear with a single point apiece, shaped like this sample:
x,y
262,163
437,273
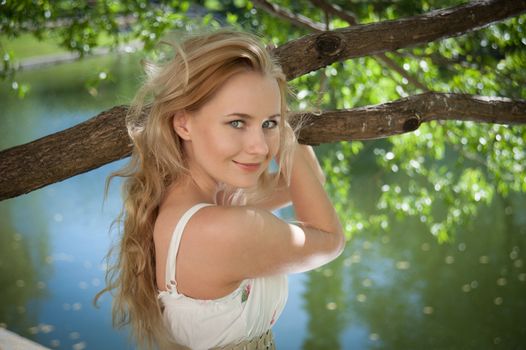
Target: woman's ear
x,y
181,125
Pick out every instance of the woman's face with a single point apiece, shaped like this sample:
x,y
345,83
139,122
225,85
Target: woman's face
x,y
233,137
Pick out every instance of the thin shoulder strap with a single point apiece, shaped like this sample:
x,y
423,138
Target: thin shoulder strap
x,y
174,244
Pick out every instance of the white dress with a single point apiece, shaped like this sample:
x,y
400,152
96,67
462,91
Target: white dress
x,y
246,313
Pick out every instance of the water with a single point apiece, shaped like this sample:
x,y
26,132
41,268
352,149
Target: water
x,y
399,290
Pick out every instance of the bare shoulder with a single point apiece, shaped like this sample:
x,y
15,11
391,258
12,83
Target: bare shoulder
x,y
245,242
239,225
232,220
166,221
164,226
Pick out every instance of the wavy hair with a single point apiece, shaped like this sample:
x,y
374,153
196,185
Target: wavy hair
x,y
200,65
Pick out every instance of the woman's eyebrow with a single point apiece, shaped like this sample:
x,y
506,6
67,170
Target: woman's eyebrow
x,y
248,116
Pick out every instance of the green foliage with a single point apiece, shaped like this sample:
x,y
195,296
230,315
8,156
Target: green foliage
x,y
80,26
439,174
443,172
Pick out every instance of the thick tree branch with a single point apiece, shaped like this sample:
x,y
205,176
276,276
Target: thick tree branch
x,y
85,146
315,51
407,114
104,138
317,27
352,20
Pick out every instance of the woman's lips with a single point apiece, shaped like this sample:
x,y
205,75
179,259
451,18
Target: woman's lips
x,y
248,166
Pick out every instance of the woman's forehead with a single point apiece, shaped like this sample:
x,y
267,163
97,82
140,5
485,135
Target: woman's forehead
x,y
249,93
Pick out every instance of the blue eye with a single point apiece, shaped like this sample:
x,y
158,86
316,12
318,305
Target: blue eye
x,y
270,124
236,124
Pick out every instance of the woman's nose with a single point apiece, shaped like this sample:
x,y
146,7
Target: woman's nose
x,y
257,143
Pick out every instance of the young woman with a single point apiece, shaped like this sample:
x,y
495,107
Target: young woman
x,y
202,262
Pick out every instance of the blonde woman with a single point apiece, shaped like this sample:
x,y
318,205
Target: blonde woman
x,y
203,262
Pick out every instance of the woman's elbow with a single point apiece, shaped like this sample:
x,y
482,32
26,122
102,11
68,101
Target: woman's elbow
x,y
322,178
338,245
341,245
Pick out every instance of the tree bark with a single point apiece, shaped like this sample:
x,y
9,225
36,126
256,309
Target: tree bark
x,y
312,52
104,138
406,115
85,146
303,22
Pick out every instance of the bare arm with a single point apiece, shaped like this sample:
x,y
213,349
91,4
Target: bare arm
x,y
311,203
310,156
281,196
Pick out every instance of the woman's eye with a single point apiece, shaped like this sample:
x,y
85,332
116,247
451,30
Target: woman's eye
x,y
270,124
237,124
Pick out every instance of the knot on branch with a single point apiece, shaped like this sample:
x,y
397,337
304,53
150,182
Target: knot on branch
x,y
411,124
328,44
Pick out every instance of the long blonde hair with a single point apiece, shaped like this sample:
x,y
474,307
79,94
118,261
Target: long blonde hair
x,y
200,66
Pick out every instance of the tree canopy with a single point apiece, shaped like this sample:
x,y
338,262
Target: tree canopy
x,y
448,75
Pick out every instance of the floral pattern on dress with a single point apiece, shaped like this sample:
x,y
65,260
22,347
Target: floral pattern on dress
x,y
246,293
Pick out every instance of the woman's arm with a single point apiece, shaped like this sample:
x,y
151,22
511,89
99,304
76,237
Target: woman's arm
x,y
311,203
310,156
281,196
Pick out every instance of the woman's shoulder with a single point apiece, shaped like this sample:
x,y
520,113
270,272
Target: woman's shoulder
x,y
213,238
169,215
205,214
211,218
204,217
218,229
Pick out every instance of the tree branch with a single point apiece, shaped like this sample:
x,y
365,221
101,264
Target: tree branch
x,y
316,27
406,115
352,20
315,51
104,138
296,19
336,11
396,67
85,146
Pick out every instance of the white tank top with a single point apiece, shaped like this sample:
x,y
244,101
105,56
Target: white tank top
x,y
246,313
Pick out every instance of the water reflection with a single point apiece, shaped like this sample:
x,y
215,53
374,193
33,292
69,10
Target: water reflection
x,y
326,304
410,292
19,273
